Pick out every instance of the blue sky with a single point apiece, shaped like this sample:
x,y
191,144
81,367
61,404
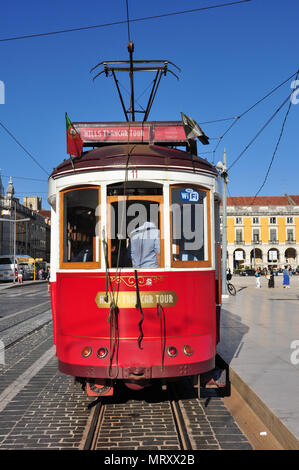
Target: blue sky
x,y
230,57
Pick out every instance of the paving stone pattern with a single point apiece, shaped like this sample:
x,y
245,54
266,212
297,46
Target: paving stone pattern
x,y
148,425
51,413
211,426
138,425
47,414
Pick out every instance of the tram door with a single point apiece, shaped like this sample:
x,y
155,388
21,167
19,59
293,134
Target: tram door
x,y
135,232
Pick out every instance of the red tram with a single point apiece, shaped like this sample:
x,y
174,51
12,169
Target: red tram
x,y
135,253
135,256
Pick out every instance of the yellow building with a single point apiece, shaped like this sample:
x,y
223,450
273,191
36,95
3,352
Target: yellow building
x,y
263,231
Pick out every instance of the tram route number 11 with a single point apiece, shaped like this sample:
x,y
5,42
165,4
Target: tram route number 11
x,y
134,174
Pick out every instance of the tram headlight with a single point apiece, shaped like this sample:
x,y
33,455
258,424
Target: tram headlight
x,y
172,351
102,352
86,351
187,350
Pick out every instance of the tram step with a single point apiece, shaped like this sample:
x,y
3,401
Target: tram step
x,y
214,383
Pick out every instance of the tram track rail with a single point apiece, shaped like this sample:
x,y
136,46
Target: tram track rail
x,y
18,325
34,330
94,429
24,320
182,431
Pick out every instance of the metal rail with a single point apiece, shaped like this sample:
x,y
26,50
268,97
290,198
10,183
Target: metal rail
x,y
95,421
180,424
94,426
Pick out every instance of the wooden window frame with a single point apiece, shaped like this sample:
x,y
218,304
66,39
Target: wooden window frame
x,y
160,200
193,264
77,264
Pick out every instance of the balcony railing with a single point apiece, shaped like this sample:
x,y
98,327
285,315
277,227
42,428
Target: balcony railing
x,y
274,242
239,242
256,242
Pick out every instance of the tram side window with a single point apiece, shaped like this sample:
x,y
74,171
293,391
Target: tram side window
x,y
81,207
188,225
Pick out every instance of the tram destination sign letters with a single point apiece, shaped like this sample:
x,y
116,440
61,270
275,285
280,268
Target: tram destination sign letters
x,y
97,133
149,299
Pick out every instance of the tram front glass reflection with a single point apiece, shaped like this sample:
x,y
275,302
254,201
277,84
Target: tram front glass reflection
x,y
187,209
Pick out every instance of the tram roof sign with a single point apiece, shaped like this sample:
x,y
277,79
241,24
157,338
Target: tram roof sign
x,y
158,132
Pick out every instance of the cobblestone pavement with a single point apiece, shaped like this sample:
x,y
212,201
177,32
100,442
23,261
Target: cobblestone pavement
x,y
23,309
49,412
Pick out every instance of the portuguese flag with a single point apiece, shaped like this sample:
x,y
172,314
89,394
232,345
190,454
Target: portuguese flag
x,y
74,143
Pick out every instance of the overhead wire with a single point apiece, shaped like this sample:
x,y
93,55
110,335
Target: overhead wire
x,y
146,18
275,150
23,178
260,131
23,148
218,120
237,118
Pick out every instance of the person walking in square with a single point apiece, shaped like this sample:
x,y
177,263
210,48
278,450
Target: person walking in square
x,y
286,278
271,278
258,278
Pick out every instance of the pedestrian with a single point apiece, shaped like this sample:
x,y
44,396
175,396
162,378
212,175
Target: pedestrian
x,y
286,278
258,278
228,274
48,278
20,275
271,278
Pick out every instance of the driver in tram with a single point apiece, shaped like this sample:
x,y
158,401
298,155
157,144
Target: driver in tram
x,y
145,246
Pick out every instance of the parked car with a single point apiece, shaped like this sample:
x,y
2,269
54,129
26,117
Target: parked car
x,y
247,272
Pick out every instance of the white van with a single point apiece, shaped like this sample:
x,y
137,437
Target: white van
x,y
7,269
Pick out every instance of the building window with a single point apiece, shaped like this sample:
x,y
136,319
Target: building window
x,y
239,220
273,236
239,235
272,220
256,235
290,235
290,220
255,220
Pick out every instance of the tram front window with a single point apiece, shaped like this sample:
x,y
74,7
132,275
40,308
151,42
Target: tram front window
x,y
80,225
135,232
189,240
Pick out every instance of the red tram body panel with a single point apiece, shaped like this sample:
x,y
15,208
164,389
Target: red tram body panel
x,y
83,322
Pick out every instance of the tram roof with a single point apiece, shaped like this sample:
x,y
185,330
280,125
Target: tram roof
x,y
137,156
